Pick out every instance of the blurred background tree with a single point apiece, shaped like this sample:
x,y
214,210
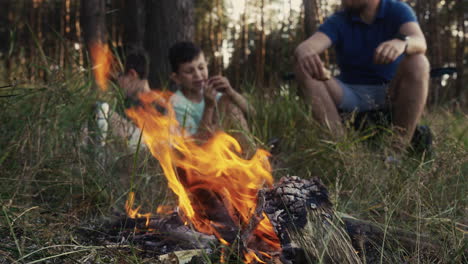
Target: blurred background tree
x,y
249,41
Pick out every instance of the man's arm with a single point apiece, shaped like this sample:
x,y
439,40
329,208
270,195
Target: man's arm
x,y
307,55
389,51
416,42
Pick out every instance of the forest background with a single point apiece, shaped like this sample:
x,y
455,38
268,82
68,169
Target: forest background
x,y
56,191
249,41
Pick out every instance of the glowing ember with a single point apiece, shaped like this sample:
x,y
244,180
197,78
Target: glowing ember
x,y
102,59
164,209
200,175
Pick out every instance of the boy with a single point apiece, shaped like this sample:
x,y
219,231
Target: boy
x,y
133,81
201,102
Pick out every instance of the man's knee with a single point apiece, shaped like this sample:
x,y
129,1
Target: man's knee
x,y
416,66
308,83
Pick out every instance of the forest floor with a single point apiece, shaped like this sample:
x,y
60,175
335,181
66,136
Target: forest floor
x,y
55,188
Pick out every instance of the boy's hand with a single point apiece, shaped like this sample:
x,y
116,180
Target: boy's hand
x,y
131,86
221,84
210,94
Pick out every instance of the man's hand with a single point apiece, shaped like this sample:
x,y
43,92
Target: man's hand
x,y
389,51
310,63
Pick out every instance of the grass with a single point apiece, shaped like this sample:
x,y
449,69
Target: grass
x,y
55,187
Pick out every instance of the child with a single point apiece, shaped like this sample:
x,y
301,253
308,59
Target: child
x,y
202,103
133,81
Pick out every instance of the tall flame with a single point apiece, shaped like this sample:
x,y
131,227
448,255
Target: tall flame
x,y
201,174
102,58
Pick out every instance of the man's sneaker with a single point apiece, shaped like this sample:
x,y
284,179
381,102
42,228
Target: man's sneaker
x,y
422,139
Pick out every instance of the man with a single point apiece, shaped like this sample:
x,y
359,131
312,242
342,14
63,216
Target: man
x,y
380,51
204,104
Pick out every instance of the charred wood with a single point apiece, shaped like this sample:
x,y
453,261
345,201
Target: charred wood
x,y
165,231
311,231
302,216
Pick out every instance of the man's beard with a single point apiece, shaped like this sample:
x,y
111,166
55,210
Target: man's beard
x,y
356,10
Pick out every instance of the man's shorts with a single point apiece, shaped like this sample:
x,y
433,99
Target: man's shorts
x,y
361,98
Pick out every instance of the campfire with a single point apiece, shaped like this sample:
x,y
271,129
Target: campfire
x,y
217,189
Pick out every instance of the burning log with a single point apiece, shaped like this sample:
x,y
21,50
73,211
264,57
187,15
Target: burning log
x,y
310,231
301,214
162,233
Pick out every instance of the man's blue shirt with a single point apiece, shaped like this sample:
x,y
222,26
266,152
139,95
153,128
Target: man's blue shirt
x,y
355,41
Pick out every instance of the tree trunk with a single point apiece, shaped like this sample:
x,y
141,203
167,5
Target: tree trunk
x,y
134,23
260,61
4,25
434,48
243,53
78,34
218,39
311,17
5,21
461,55
167,23
93,19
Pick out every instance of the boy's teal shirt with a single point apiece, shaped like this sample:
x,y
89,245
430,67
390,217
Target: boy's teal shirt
x,y
189,114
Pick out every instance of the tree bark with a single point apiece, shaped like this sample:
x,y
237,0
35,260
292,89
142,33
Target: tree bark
x,y
167,23
93,19
134,23
260,60
434,50
4,25
311,17
461,55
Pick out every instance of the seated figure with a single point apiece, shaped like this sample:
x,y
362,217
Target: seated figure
x,y
380,53
203,104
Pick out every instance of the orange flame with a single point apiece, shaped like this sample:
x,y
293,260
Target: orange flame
x,y
266,232
102,60
199,174
251,257
133,213
164,209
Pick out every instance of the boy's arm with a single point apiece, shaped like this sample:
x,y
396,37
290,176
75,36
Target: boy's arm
x,y
207,124
221,83
132,86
